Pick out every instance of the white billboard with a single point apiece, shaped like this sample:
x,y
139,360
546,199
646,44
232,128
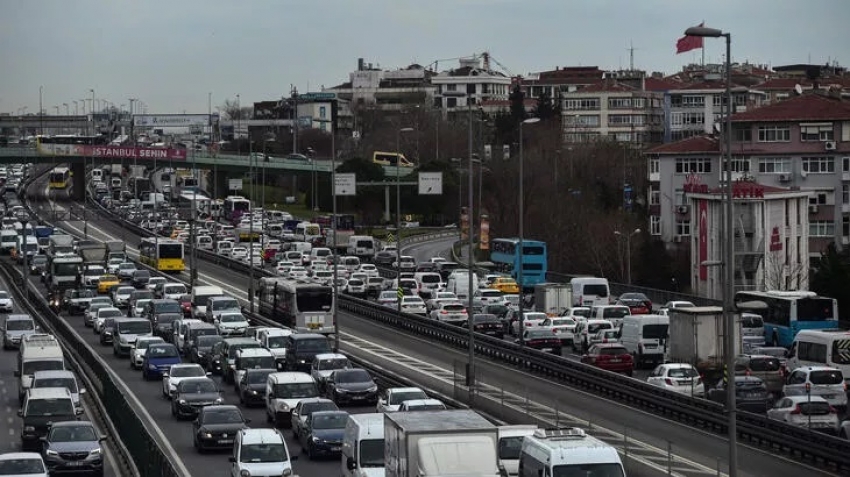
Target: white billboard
x,y
170,120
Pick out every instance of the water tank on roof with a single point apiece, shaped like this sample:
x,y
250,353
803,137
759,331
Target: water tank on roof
x,y
473,62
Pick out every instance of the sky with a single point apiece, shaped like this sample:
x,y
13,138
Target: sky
x,y
172,54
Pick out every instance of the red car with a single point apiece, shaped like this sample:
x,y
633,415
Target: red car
x,y
638,303
186,304
610,356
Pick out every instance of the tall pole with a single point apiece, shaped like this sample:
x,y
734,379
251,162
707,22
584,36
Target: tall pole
x,y
40,111
238,124
295,120
470,372
398,220
251,229
76,108
335,243
519,247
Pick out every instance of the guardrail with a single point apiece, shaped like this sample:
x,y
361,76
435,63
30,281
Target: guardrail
x,y
799,443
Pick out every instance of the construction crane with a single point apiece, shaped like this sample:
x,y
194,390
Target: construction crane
x,y
436,63
488,58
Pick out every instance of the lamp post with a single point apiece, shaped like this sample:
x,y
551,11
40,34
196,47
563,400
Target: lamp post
x,y
398,214
67,109
628,252
729,270
521,245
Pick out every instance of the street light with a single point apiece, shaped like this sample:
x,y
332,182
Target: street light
x,y
729,270
398,213
628,252
521,245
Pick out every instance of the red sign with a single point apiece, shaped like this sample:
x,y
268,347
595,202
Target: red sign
x,y
775,240
747,190
694,184
703,239
117,152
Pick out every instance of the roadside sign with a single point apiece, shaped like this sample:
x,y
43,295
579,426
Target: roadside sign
x,y
400,293
346,184
430,183
234,184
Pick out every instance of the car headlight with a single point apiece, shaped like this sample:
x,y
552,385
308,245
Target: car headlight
x,y
94,452
52,453
244,473
373,388
151,366
29,429
182,401
302,361
219,400
316,440
282,406
254,392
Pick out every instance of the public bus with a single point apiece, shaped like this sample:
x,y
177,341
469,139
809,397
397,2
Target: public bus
x,y
60,178
304,307
235,206
785,313
165,255
505,254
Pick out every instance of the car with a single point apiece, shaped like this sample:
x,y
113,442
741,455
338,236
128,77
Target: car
x,y
305,408
158,359
355,287
350,386
216,426
422,405
384,257
97,315
239,253
388,298
6,304
485,296
440,297
42,408
678,377
808,412
73,447
191,394
452,312
413,304
767,368
777,352
137,352
605,336
322,434
369,269
29,464
260,452
488,324
107,331
121,295
140,279
587,330
15,328
77,301
822,381
201,349
59,379
638,303
750,394
113,265
282,268
252,386
177,373
185,302
531,319
408,263
611,357
138,307
154,282
392,398
106,282
325,364
563,327
665,309
251,358
231,323
126,270
505,285
542,339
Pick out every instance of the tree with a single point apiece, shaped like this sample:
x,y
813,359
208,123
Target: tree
x,y
545,108
782,276
233,110
369,201
831,276
517,99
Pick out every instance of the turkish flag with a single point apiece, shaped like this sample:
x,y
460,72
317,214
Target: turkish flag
x,y
688,43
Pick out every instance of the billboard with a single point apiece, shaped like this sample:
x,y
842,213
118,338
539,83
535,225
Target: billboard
x,y
703,239
171,120
118,152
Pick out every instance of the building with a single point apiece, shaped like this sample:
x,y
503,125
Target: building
x,y
560,80
386,90
473,83
800,144
770,233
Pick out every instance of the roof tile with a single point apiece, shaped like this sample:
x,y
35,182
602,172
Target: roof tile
x,y
691,145
808,107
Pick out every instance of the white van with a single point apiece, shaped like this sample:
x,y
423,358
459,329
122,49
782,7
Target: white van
x,y
200,294
363,445
590,291
303,247
37,358
97,175
350,263
223,247
567,452
510,445
283,391
8,240
821,348
645,337
173,291
320,254
458,283
362,246
752,325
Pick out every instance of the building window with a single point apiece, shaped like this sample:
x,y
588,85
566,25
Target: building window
x,y
818,199
625,119
774,165
742,134
700,165
691,101
470,88
845,226
717,100
822,228
581,104
845,194
589,136
450,87
774,134
655,225
693,118
583,120
683,228
675,120
323,112
626,103
654,165
323,126
738,164
451,102
817,132
818,165
654,197
845,164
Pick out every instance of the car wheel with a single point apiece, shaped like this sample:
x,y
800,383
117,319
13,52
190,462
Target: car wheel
x,y
173,410
629,373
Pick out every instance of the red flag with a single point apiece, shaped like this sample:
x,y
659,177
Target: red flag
x,y
688,43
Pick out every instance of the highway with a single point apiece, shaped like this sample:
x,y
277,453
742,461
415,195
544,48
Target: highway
x,y
641,427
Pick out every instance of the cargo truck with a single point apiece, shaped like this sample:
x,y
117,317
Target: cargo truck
x,y
440,443
92,252
60,245
115,249
552,298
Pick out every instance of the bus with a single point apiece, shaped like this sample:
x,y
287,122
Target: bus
x,y
235,206
505,253
390,159
138,186
304,307
785,313
165,255
60,178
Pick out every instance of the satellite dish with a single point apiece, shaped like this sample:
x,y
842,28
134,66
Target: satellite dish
x,y
717,127
798,89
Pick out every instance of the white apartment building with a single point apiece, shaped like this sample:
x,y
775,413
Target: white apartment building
x,y
696,108
474,82
387,90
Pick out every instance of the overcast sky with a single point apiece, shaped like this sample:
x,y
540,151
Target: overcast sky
x,y
172,53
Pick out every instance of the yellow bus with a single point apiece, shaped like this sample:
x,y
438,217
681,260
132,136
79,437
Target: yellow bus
x,y
60,178
165,255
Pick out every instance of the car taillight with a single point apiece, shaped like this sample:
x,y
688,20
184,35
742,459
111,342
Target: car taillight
x,y
796,410
668,381
444,312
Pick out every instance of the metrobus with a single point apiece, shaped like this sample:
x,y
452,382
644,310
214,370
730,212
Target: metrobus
x,y
785,313
165,255
235,206
60,178
505,254
304,307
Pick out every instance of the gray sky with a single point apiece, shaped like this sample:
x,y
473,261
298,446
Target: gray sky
x,y
172,53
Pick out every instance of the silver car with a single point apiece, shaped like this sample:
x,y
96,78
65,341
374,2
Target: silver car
x,y
15,328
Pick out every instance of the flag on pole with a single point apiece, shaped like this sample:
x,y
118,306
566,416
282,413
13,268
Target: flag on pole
x,y
688,43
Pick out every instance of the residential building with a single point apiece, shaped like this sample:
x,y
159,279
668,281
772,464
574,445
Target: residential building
x,y
473,83
560,80
386,90
696,108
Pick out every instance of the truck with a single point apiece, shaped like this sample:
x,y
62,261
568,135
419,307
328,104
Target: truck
x,y
42,231
115,249
440,443
62,272
92,252
696,336
552,298
60,245
338,241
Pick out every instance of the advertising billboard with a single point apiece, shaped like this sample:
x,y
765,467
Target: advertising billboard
x,y
170,120
484,235
118,152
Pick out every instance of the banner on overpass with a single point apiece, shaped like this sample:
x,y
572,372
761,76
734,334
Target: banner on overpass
x,y
170,120
118,152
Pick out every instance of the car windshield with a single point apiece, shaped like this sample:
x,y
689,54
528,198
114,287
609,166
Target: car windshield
x,y
162,352
207,341
388,295
134,327
335,363
3,295
276,342
539,334
828,376
563,322
20,325
482,318
588,470
112,313
187,371
295,390
50,407
232,318
765,364
167,307
142,295
26,466
594,328
197,387
330,421
30,367
69,383
615,312
125,290
263,453
400,397
225,305
73,434
318,345
257,362
258,377
682,373
144,344
372,453
311,407
352,376
223,416
510,447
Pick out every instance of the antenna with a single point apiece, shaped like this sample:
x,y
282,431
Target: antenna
x,y
631,49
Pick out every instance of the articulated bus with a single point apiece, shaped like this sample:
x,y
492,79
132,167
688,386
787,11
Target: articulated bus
x,y
304,307
505,254
235,206
165,255
785,313
60,178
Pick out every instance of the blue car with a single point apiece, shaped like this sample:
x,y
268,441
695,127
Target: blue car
x,y
158,359
323,433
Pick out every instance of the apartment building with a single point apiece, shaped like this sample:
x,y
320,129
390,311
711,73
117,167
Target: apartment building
x,y
386,90
472,83
561,80
695,109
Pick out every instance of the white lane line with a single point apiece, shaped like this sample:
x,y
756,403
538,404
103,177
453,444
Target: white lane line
x,y
11,432
10,420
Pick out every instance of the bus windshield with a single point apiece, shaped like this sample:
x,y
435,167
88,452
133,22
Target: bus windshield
x,y
170,250
314,300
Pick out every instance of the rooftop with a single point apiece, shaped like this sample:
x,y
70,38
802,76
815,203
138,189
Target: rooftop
x,y
807,107
691,145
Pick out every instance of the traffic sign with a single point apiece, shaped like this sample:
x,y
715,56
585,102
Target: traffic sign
x,y
430,183
400,293
345,184
390,238
234,184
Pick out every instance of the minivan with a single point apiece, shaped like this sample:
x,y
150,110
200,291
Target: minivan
x,y
590,291
820,348
562,450
200,294
41,408
510,445
645,337
363,445
283,391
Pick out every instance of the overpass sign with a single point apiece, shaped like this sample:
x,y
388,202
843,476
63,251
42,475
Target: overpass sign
x,y
171,120
117,152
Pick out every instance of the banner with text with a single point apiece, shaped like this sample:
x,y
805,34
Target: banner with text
x,y
171,120
118,152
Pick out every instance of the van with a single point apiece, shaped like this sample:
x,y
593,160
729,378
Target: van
x,y
179,328
390,159
223,247
824,381
567,451
645,337
261,452
204,242
429,283
458,283
59,379
37,356
8,240
283,391
351,263
363,445
590,291
510,445
115,182
362,246
303,247
216,305
42,408
200,295
97,175
320,254
821,348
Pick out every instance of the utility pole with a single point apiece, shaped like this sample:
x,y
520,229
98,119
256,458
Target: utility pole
x,y
294,92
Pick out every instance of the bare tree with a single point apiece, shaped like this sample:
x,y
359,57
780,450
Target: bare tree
x,y
233,110
783,276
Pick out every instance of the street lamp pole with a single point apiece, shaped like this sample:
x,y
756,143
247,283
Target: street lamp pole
x,y
628,252
335,238
398,213
470,262
729,270
521,245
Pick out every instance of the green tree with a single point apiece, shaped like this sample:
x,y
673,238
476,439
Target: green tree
x,y
545,108
517,99
831,276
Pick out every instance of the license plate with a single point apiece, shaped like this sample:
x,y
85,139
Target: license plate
x,y
828,396
336,448
75,463
615,360
546,349
314,326
225,441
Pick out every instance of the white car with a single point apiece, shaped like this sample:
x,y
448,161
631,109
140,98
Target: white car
x,y
113,265
450,312
101,314
238,253
31,461
408,263
563,327
355,287
437,260
388,298
137,310
369,269
126,270
154,281
177,373
392,399
805,411
323,277
665,310
231,323
296,273
138,350
530,319
260,452
282,268
435,301
121,295
822,381
413,304
6,304
256,260
678,377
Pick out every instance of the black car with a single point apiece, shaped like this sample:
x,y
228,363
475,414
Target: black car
x,y
201,349
73,447
750,394
323,433
192,394
500,310
162,325
38,264
384,258
161,306
216,427
252,386
351,386
108,331
302,348
141,278
488,324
